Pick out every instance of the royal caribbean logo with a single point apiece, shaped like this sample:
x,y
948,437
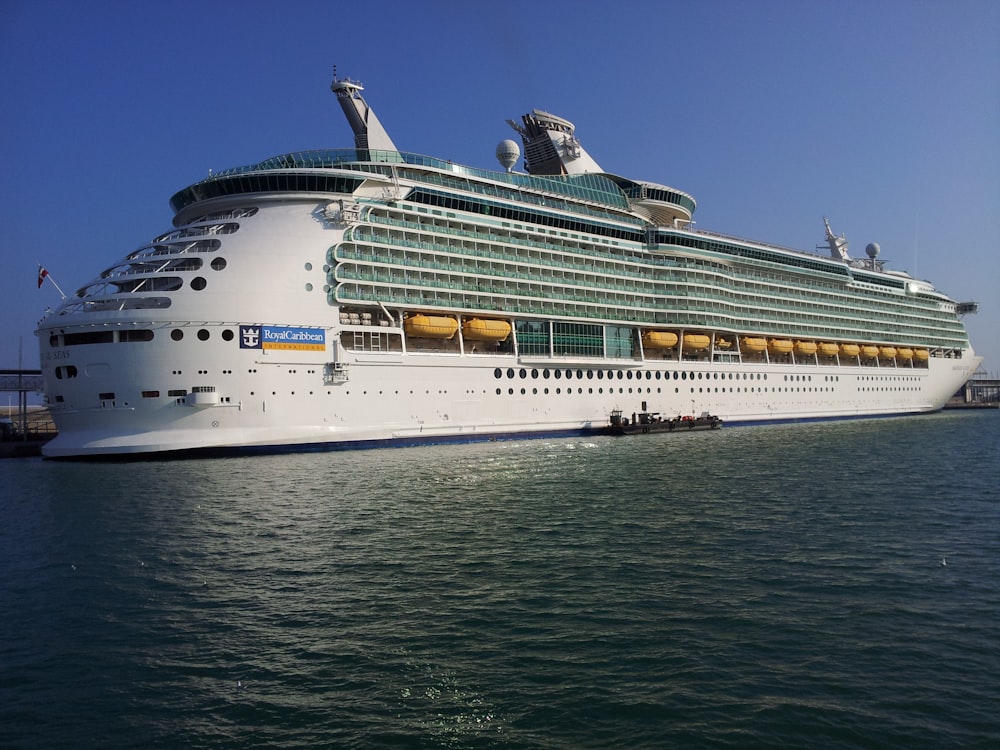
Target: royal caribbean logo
x,y
287,339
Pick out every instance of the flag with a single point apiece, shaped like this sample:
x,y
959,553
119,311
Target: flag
x,y
42,273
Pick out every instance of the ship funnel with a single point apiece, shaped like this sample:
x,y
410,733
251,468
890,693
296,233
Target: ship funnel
x,y
551,146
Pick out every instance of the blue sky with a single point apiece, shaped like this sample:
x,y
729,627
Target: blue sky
x,y
883,115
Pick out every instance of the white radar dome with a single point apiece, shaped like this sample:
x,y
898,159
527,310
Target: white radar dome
x,y
508,152
873,250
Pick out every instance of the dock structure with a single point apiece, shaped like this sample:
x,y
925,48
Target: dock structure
x,y
982,390
24,429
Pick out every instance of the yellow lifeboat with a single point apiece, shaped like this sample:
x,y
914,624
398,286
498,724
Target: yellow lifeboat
x,y
477,329
805,348
905,352
869,352
753,345
828,349
850,350
430,326
780,346
723,344
659,340
696,341
889,352
922,354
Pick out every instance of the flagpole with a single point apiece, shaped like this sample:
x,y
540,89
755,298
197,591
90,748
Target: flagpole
x,y
44,274
61,292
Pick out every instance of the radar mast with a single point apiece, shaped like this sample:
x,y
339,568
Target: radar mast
x,y
369,135
837,245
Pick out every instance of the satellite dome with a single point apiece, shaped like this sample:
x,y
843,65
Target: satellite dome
x,y
508,152
873,250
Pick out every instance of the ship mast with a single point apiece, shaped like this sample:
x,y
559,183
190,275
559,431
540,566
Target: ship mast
x,y
369,135
837,245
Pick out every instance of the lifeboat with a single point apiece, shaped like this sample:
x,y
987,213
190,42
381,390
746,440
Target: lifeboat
x,y
869,352
477,329
922,354
723,344
430,326
805,348
889,352
828,349
780,346
905,352
850,350
659,340
754,345
696,341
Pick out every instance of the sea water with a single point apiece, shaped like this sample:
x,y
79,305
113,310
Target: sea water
x,y
824,585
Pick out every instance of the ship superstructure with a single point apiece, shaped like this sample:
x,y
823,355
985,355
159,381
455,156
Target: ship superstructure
x,y
368,296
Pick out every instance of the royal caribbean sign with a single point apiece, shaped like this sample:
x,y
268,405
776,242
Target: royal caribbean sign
x,y
280,337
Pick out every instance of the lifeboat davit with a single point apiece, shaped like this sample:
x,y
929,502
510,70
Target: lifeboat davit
x,y
696,341
870,352
905,352
828,349
780,346
922,354
889,352
806,348
659,340
754,345
430,326
850,350
477,329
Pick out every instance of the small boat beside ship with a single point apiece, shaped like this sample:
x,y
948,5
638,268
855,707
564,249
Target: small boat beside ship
x,y
647,422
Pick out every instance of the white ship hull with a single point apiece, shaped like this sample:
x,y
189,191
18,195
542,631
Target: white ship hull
x,y
415,398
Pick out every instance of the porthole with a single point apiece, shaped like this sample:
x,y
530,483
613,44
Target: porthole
x,y
510,372
569,374
198,283
579,374
218,264
534,374
227,335
203,334
498,373
177,334
545,373
557,374
523,373
308,266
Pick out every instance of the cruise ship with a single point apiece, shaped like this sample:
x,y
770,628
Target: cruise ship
x,y
368,296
